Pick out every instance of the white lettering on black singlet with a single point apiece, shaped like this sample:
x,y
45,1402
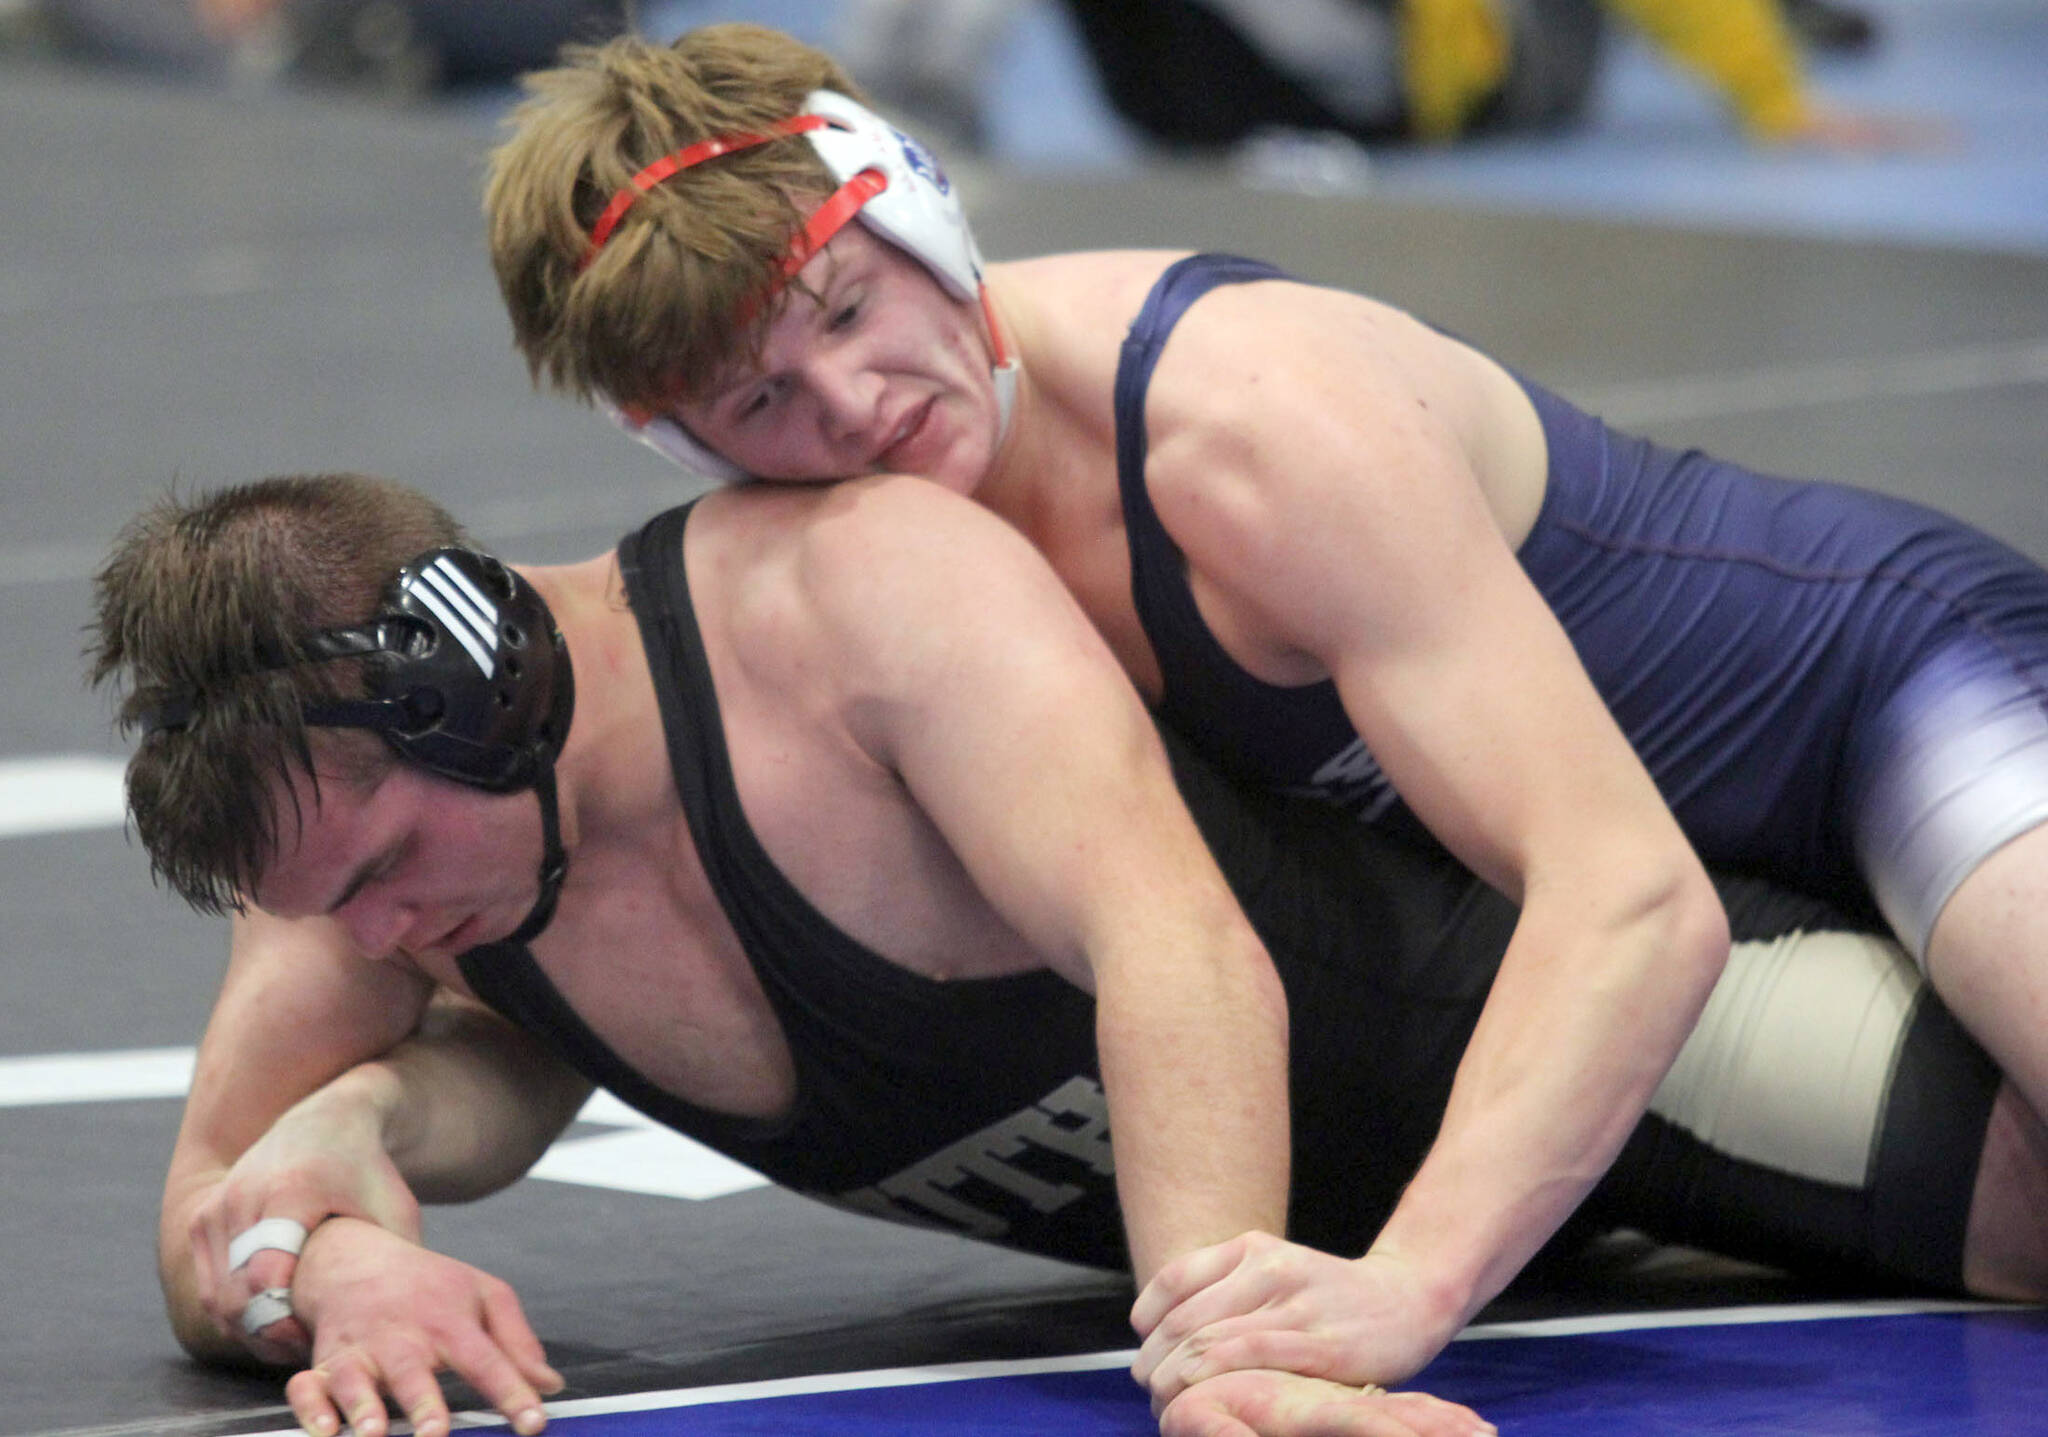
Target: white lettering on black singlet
x,y
1351,779
958,1186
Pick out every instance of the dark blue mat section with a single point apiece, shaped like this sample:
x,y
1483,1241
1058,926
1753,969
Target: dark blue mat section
x,y
1052,1404
1911,1376
1984,1372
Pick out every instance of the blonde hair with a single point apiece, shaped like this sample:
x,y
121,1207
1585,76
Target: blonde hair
x,y
675,293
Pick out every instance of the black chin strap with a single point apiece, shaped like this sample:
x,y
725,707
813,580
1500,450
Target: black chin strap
x,y
554,859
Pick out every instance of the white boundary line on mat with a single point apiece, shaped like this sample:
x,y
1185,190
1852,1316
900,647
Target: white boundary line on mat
x,y
1098,1361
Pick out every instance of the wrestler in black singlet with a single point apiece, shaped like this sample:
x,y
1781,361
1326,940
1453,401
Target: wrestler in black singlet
x,y
977,1105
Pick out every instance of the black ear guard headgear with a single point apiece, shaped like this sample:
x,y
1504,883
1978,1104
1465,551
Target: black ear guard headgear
x,y
468,678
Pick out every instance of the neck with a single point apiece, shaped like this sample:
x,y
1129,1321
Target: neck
x,y
1000,487
600,777
1032,480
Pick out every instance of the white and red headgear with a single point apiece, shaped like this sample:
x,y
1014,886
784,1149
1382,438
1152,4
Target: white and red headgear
x,y
885,178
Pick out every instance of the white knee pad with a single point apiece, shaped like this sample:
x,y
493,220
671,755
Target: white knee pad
x,y
1792,1059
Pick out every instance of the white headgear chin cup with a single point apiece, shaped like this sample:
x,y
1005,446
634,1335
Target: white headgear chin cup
x,y
673,442
920,211
1005,377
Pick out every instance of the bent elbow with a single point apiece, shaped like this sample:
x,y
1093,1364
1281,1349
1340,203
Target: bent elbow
x,y
1694,925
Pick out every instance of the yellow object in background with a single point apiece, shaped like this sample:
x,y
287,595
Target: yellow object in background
x,y
1744,47
1454,55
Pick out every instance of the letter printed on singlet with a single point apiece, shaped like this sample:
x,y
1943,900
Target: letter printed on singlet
x,y
1351,779
959,1186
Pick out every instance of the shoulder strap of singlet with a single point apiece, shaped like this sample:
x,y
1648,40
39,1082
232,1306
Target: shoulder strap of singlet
x,y
838,1001
846,988
1166,605
651,566
506,976
1184,282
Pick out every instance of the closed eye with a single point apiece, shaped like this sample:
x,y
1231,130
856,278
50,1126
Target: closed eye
x,y
756,401
376,869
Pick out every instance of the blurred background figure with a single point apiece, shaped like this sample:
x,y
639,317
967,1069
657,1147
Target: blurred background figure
x,y
1199,74
929,60
1939,102
399,48
1826,25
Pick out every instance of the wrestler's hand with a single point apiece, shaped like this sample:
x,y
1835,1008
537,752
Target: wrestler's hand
x,y
387,1316
1260,1302
318,1160
1285,1404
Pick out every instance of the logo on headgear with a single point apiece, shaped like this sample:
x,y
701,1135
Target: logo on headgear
x,y
462,608
921,162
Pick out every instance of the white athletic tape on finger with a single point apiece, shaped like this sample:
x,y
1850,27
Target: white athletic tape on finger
x,y
273,1234
273,1304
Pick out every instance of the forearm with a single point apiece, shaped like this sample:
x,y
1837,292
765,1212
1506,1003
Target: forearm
x,y
1580,1027
469,1104
1195,1070
460,1110
348,1114
455,1112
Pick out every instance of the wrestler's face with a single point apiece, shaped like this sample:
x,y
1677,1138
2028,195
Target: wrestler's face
x,y
888,374
413,866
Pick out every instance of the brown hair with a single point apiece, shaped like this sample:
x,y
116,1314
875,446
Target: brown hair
x,y
659,310
209,605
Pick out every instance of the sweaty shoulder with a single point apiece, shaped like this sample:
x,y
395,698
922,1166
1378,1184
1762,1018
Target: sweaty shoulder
x,y
1108,284
1244,351
1260,379
892,539
1067,314
849,580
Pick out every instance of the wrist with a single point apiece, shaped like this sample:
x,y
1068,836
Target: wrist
x,y
1446,1292
320,1243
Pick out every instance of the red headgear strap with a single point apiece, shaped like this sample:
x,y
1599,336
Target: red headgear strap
x,y
817,231
826,221
682,160
831,217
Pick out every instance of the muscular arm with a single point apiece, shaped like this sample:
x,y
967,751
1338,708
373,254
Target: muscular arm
x,y
1619,941
1336,525
301,1106
465,1106
1023,742
296,1009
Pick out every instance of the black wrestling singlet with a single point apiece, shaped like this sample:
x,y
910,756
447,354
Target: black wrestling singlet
x,y
978,1105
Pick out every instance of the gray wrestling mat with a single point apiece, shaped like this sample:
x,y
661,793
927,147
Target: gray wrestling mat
x,y
197,287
